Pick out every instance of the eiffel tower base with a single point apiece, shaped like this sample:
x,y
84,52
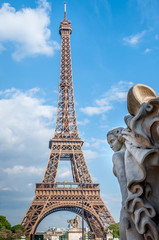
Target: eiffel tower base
x,y
50,199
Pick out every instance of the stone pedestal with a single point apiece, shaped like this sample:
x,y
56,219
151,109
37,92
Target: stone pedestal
x,y
75,234
109,236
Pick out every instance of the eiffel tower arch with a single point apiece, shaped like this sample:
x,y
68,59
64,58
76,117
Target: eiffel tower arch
x,y
52,196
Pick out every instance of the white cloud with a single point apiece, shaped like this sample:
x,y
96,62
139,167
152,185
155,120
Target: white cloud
x,y
30,184
64,173
95,110
95,179
86,144
147,50
27,29
97,143
25,199
89,154
149,12
2,48
5,189
24,170
26,126
157,36
113,202
116,93
109,198
133,40
84,122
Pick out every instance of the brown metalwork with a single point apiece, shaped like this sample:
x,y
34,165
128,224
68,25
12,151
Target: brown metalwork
x,y
51,196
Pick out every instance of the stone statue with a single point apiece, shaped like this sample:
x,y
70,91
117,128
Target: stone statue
x,y
74,223
109,234
77,221
116,141
136,165
54,231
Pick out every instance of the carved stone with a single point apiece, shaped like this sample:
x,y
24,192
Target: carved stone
x,y
75,234
109,234
74,223
136,165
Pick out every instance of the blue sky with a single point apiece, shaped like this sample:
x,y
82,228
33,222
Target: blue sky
x,y
114,44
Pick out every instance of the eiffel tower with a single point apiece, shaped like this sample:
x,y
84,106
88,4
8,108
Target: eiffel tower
x,y
82,193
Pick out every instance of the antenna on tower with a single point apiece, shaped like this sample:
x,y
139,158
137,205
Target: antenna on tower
x,y
65,10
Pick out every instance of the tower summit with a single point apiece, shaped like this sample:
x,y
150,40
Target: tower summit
x,y
52,196
66,124
64,10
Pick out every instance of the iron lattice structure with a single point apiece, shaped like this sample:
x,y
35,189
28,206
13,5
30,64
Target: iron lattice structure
x,y
51,196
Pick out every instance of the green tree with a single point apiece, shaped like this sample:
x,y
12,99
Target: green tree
x,y
17,234
89,235
7,232
4,224
115,228
18,227
17,231
65,236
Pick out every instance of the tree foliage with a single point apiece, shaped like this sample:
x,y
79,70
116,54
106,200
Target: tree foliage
x,y
7,232
18,227
4,224
89,235
115,228
17,234
65,236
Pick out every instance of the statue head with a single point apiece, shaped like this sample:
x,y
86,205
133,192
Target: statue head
x,y
77,218
115,139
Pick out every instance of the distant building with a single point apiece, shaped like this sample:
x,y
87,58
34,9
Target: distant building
x,y
54,233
